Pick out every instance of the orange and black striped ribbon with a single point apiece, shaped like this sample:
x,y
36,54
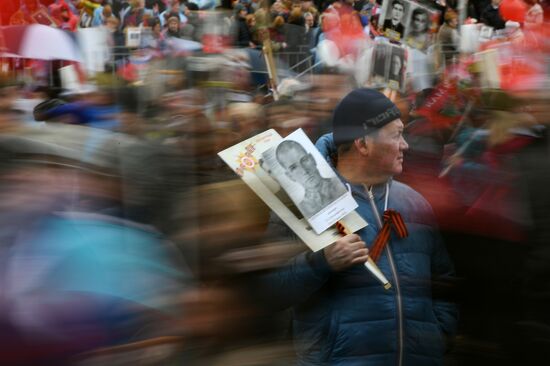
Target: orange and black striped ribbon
x,y
393,219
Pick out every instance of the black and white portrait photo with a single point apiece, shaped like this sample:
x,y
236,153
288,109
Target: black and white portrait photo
x,y
310,182
379,63
419,26
389,64
394,17
397,68
256,162
300,166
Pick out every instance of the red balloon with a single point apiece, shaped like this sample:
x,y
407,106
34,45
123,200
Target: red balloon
x,y
513,10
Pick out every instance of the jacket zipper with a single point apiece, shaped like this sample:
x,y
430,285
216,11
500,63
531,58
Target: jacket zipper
x,y
394,274
399,307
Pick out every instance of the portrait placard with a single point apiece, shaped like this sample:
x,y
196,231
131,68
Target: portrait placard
x,y
389,66
246,159
312,185
393,17
421,26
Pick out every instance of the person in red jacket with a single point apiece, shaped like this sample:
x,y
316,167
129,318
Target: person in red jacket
x,y
64,17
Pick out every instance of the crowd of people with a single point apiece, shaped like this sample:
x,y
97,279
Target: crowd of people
x,y
127,239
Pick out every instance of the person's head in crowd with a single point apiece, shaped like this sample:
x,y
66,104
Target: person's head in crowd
x,y
246,118
137,4
156,28
420,21
240,11
107,11
251,21
299,165
397,11
287,5
496,3
309,20
368,132
296,17
147,18
277,8
169,15
192,6
306,5
174,24
451,18
246,3
175,6
278,22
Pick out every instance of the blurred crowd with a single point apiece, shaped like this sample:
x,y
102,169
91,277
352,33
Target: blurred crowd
x,y
126,239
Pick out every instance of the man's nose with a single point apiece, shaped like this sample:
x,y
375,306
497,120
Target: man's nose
x,y
404,146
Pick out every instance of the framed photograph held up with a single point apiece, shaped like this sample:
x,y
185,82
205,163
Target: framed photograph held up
x,y
392,20
258,168
422,25
309,181
389,66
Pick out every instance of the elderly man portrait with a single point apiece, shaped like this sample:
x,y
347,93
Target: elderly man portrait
x,y
301,167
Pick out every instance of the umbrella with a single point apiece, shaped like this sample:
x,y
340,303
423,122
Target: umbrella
x,y
37,41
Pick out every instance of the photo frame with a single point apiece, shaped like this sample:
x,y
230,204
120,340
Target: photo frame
x,y
389,66
309,181
421,26
392,20
246,160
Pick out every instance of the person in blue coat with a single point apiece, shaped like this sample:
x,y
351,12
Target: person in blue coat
x,y
341,314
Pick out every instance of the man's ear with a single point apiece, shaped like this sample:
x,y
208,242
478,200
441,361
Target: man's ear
x,y
361,146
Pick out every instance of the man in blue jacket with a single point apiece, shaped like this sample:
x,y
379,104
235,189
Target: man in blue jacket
x,y
341,314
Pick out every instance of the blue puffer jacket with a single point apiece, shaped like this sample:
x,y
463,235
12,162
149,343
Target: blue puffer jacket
x,y
347,318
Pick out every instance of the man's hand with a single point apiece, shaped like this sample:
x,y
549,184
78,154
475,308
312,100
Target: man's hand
x,y
346,252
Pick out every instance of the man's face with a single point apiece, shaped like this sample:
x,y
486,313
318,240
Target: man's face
x,y
107,11
386,149
420,22
309,20
175,8
173,25
300,166
397,12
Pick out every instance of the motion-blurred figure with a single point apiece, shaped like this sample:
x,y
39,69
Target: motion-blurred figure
x,y
80,271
